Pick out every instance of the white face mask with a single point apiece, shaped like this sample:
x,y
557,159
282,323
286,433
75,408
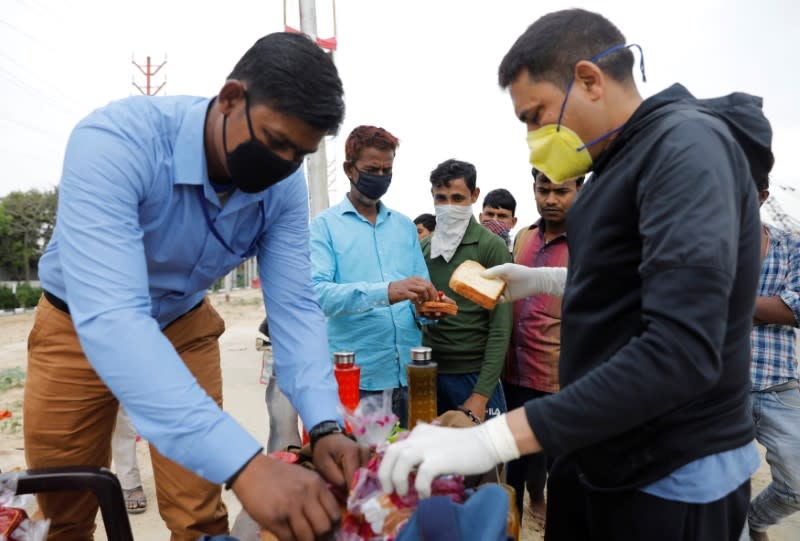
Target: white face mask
x,y
451,224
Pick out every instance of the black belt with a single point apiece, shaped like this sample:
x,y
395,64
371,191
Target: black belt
x,y
61,305
56,302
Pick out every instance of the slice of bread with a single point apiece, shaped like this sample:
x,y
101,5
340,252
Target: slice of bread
x,y
435,306
467,282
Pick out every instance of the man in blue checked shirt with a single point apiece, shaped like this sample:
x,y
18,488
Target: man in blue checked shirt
x,y
367,264
775,398
158,198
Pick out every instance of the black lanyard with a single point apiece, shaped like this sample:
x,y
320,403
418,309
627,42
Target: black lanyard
x,y
253,245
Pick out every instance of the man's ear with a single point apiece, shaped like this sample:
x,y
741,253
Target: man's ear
x,y
348,170
475,195
513,222
230,94
590,79
763,195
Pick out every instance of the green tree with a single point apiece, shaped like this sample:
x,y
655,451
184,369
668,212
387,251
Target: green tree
x,y
27,220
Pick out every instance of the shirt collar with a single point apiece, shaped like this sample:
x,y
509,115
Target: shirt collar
x,y
189,157
539,226
346,206
774,234
190,165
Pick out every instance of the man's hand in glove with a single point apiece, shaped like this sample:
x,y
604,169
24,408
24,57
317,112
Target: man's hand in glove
x,y
440,450
522,282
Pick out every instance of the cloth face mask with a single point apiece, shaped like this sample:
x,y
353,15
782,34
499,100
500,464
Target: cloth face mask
x,y
451,224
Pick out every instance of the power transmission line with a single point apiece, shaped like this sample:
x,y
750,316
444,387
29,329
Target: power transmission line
x,y
33,6
28,89
32,127
18,30
66,100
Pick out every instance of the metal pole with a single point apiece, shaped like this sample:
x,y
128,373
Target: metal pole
x,y
308,18
149,73
317,162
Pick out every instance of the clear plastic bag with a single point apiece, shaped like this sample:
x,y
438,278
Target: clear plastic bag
x,y
373,421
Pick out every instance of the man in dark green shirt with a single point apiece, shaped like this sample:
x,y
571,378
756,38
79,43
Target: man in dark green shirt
x,y
470,348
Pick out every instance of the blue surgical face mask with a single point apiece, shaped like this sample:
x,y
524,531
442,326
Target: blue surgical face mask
x,y
372,186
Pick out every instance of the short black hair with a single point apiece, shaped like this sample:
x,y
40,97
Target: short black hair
x,y
551,46
427,220
500,199
293,75
538,175
762,182
452,169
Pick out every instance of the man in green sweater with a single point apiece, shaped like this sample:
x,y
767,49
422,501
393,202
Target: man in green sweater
x,y
470,348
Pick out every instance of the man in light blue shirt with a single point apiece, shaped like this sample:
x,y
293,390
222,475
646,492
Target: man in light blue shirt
x,y
158,198
366,266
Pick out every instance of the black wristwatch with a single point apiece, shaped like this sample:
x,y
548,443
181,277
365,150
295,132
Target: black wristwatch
x,y
325,428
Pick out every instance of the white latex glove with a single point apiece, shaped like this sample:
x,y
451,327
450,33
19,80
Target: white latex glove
x,y
442,450
522,282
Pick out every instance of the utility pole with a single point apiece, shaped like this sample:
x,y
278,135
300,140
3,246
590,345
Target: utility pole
x,y
148,71
317,162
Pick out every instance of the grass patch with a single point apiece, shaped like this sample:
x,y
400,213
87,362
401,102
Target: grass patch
x,y
12,378
11,426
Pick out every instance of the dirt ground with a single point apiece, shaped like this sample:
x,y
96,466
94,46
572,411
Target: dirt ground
x,y
244,399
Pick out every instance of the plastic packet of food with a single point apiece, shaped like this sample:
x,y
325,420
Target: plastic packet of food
x,y
14,522
373,515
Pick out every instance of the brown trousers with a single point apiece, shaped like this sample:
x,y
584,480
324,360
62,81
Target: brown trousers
x,y
69,418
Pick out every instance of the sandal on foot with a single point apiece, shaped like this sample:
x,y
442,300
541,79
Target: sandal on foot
x,y
135,500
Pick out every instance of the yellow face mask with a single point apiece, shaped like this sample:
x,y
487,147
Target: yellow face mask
x,y
559,153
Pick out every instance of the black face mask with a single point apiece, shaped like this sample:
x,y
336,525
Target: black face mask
x,y
372,186
252,165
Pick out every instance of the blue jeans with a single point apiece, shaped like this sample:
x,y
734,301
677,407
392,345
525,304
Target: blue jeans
x,y
399,402
452,390
777,419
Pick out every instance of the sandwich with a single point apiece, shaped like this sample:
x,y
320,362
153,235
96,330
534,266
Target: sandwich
x,y
445,308
428,307
467,282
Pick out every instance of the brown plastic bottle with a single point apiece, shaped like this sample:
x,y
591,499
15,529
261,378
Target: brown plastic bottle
x,y
421,387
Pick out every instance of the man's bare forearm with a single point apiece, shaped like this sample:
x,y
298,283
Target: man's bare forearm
x,y
772,310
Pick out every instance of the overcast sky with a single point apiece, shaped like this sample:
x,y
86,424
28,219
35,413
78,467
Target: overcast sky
x,y
424,69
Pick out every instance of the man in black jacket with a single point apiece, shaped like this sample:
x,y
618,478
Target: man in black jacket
x,y
651,427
